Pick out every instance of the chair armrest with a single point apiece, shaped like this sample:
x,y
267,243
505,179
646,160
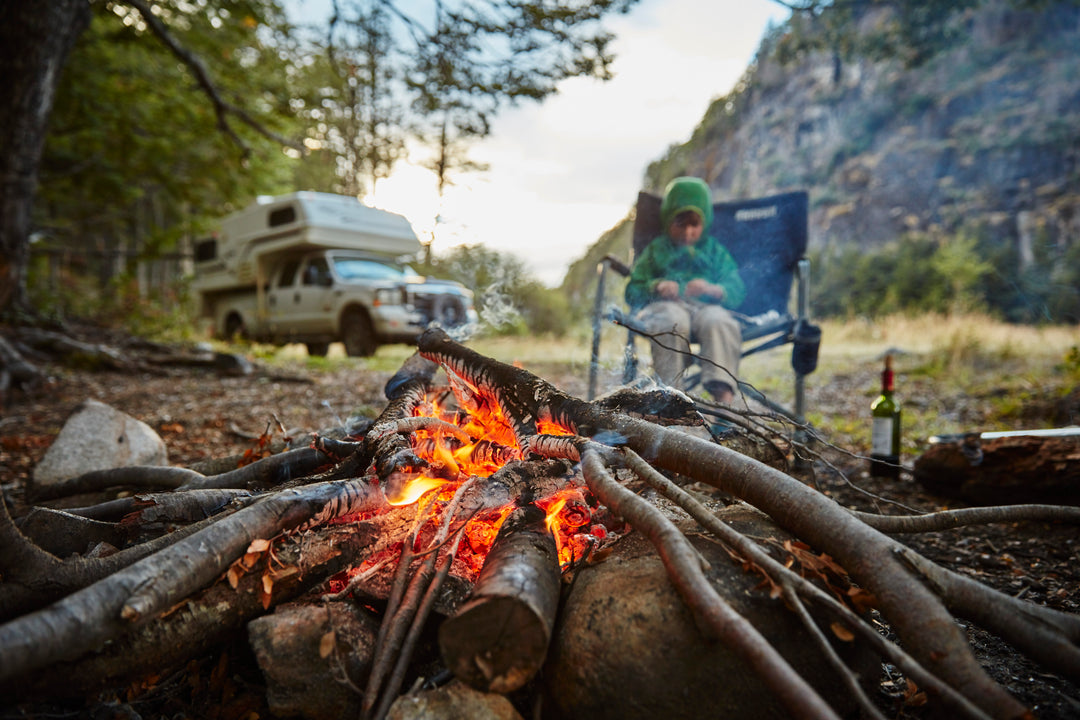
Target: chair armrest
x,y
616,264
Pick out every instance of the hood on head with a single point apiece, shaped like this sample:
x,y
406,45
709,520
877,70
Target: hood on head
x,y
683,194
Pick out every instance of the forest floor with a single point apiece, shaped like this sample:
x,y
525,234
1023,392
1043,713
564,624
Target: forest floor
x,y
203,415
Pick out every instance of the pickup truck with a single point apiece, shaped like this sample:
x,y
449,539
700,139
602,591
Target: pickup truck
x,y
317,268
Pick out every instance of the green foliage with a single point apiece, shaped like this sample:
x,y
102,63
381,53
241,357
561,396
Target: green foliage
x,y
398,70
963,273
910,30
136,163
508,300
134,159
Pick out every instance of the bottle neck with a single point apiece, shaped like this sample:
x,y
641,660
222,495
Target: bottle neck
x,y
887,381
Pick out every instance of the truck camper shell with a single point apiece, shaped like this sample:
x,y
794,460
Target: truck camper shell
x,y
296,222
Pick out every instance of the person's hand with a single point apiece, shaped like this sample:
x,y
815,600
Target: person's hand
x,y
698,287
668,289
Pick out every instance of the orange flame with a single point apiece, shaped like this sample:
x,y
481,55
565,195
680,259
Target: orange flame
x,y
413,490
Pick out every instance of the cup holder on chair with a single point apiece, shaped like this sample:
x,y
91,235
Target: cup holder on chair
x,y
805,346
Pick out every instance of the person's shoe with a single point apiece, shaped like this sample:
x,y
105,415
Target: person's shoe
x,y
721,392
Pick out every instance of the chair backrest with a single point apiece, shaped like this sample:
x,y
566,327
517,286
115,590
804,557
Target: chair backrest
x,y
767,237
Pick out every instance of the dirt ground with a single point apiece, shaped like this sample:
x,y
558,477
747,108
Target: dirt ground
x,y
202,415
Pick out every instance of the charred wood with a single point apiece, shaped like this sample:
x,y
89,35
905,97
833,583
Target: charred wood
x,y
85,620
264,473
159,509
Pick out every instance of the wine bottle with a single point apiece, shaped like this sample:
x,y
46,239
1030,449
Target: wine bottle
x,y
885,433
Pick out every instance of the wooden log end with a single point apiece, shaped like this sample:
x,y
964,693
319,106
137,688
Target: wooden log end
x,y
495,644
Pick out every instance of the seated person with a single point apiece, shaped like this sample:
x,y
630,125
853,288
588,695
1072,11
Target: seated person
x,y
680,287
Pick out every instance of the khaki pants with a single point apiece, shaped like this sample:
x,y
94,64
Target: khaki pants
x,y
674,322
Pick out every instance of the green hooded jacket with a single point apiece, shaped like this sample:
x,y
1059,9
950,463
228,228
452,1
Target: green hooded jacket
x,y
662,259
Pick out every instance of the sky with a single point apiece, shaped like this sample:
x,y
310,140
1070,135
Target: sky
x,y
564,171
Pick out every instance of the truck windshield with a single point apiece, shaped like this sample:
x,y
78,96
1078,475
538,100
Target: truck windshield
x,y
360,269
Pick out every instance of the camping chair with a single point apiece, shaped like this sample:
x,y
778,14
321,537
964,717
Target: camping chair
x,y
767,237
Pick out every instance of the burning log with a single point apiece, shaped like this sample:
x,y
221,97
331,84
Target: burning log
x,y
498,639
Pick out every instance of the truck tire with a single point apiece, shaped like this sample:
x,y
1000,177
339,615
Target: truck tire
x,y
317,349
357,334
449,311
234,325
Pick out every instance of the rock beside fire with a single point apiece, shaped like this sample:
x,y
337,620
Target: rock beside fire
x,y
456,700
626,647
99,437
313,656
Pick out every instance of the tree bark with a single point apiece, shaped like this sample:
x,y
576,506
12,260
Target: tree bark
x,y
35,40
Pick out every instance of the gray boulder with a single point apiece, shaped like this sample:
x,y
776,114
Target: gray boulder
x,y
99,437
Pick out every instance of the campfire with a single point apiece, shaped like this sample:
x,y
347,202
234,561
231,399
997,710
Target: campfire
x,y
491,515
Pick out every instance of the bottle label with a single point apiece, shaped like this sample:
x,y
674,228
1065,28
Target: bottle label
x,y
881,436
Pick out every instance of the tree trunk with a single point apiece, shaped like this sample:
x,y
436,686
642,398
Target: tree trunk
x,y
35,39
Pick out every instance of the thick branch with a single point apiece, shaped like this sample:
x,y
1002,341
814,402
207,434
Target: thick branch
x,y
498,640
949,519
107,609
714,616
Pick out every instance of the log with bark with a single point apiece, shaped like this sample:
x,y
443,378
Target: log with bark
x,y
1004,468
549,442
498,640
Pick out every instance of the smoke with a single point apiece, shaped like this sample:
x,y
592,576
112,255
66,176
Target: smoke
x,y
495,307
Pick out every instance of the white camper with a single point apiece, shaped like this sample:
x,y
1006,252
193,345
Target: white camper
x,y
315,268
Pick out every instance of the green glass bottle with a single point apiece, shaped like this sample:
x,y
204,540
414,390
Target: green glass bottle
x,y
885,434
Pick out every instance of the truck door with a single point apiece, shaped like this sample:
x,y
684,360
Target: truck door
x,y
309,302
279,296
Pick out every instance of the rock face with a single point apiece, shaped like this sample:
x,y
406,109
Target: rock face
x,y
99,437
975,134
626,647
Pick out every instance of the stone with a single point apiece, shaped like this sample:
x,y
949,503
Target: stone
x,y
314,657
99,437
627,648
455,700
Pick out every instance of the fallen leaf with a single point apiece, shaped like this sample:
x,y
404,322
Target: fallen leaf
x,y
258,545
863,600
326,644
842,632
913,696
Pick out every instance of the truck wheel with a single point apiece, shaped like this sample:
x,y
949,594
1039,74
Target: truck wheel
x,y
317,349
357,335
449,311
234,325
